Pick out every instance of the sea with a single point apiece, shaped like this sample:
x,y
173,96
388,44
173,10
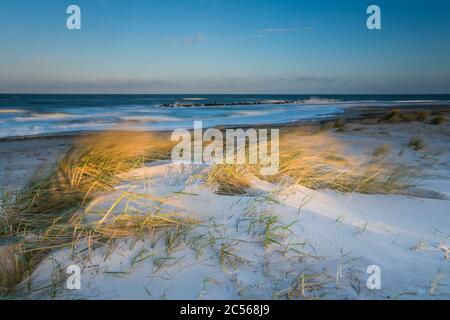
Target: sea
x,y
30,114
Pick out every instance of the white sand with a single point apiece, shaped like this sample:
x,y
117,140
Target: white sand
x,y
331,240
20,159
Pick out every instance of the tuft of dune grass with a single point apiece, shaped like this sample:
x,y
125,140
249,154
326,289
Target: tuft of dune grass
x,y
338,124
316,172
381,151
228,179
422,115
396,115
438,120
46,212
417,143
92,165
315,161
11,265
320,162
393,116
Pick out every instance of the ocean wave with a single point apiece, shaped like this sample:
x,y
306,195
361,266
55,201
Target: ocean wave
x,y
316,100
414,101
273,101
147,119
83,126
6,111
44,117
253,113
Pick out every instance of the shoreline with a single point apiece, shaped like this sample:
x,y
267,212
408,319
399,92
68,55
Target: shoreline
x,y
385,229
21,157
349,113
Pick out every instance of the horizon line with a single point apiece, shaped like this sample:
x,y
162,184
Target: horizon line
x,y
224,94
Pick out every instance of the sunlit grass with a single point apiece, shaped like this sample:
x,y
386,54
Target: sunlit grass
x,y
417,143
47,213
438,120
397,115
92,165
228,179
381,151
315,161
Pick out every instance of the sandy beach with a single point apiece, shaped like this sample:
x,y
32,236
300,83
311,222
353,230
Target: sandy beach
x,y
21,158
221,159
274,240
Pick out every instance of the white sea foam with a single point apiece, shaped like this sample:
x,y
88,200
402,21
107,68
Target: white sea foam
x,y
153,119
148,118
314,100
253,113
45,117
6,111
415,101
83,126
273,101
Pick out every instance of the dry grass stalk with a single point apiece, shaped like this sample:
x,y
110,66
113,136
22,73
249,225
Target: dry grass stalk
x,y
315,161
46,211
228,179
91,166
11,264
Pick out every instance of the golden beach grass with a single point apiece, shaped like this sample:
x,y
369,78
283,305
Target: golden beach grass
x,y
91,165
46,214
315,161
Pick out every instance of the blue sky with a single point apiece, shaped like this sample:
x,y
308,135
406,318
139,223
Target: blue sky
x,y
225,46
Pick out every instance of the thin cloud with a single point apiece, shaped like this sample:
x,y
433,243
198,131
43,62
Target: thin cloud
x,y
246,85
265,33
281,30
318,80
251,36
190,40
